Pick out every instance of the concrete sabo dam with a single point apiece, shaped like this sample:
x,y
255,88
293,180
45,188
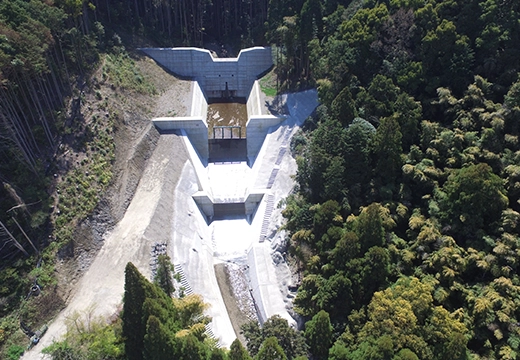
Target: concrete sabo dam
x,y
207,197
226,203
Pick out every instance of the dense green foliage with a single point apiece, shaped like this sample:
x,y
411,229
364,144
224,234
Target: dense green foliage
x,y
237,351
408,180
318,333
89,339
291,342
271,350
156,327
152,326
163,277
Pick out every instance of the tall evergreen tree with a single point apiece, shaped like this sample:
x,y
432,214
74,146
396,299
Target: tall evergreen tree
x,y
387,151
237,351
134,326
158,342
343,107
218,354
271,350
369,227
164,278
475,198
291,340
318,332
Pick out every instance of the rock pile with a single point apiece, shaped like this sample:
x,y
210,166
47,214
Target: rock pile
x,y
241,289
157,249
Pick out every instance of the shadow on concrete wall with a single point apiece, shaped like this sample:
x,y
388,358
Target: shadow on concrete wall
x,y
227,150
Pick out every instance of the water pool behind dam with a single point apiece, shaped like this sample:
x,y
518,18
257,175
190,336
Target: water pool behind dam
x,y
227,131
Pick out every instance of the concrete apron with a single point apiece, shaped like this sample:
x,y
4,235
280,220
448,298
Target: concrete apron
x,y
200,242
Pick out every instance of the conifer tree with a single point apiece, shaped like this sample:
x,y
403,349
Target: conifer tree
x,y
218,354
343,107
369,227
158,344
134,327
318,333
290,340
164,278
387,150
238,352
193,349
271,350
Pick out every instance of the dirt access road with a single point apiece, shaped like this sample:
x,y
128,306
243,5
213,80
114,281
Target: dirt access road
x,y
98,292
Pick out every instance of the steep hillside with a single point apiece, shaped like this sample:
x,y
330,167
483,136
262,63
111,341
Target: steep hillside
x,y
97,169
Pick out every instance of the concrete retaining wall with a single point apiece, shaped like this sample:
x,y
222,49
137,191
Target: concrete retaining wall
x,y
257,124
257,128
252,202
196,126
199,103
253,104
213,73
264,285
207,204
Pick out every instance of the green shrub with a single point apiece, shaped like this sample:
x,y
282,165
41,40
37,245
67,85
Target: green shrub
x,y
121,70
14,352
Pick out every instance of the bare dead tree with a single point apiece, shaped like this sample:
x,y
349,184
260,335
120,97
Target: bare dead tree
x,y
24,234
6,236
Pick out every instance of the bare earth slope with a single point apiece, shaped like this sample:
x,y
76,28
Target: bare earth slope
x,y
133,200
101,288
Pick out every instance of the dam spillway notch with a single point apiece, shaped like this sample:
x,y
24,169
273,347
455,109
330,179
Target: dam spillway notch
x,y
220,80
227,131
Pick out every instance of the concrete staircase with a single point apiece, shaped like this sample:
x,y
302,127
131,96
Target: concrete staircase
x,y
267,217
183,281
188,291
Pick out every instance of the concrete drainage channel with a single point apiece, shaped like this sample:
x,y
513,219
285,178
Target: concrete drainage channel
x,y
225,212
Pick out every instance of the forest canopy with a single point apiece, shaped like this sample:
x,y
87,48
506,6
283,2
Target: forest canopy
x,y
406,181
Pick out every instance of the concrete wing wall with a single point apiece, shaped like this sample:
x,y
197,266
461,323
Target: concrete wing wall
x,y
195,125
253,101
214,73
199,104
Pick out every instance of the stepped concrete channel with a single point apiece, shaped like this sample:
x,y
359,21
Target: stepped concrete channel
x,y
194,218
258,183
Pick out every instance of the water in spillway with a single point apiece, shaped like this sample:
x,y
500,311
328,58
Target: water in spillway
x,y
231,238
227,114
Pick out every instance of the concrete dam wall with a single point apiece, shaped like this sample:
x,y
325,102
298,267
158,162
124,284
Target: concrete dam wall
x,y
217,77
